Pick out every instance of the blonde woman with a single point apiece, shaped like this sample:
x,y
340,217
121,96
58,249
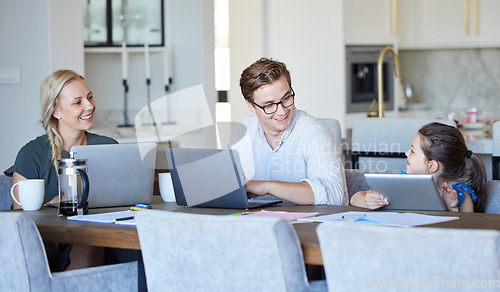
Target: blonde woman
x,y
67,113
68,108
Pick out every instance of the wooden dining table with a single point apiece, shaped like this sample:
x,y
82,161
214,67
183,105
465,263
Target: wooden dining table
x,y
60,229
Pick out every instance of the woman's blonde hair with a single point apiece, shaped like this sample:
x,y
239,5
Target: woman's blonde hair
x,y
49,101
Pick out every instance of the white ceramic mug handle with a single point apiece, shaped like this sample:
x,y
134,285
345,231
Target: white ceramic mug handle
x,y
12,193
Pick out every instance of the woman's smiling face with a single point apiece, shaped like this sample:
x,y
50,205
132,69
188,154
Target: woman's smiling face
x,y
76,107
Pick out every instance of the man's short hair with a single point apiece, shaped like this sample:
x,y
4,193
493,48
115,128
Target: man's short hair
x,y
261,72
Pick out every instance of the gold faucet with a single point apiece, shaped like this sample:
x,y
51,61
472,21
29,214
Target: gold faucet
x,y
380,77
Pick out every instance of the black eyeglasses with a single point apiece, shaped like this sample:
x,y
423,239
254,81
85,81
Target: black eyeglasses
x,y
273,107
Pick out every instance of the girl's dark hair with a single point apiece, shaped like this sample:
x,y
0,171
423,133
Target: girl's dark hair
x,y
261,72
446,145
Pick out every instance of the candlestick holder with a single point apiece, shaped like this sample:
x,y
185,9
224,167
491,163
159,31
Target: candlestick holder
x,y
126,123
169,120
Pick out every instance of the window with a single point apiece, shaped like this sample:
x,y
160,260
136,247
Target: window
x,y
108,23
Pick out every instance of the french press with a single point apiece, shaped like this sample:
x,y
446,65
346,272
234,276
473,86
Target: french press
x,y
73,186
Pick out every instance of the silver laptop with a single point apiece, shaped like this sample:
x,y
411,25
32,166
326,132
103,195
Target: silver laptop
x,y
119,174
407,192
210,178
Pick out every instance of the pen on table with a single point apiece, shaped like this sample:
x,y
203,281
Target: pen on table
x,y
124,218
353,216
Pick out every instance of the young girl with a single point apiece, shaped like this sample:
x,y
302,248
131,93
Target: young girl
x,y
440,150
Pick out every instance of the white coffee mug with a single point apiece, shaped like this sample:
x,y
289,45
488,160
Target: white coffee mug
x,y
166,187
30,192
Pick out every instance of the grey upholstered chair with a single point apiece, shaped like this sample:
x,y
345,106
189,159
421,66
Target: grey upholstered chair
x,y
334,126
191,252
496,150
493,203
380,143
25,268
5,198
363,257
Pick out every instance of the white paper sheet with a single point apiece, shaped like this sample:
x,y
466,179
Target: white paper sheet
x,y
110,217
383,218
289,216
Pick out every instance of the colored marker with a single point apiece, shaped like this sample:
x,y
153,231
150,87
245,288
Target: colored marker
x,y
353,216
143,206
241,214
135,208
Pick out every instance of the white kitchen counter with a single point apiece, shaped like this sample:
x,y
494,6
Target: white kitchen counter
x,y
478,141
146,133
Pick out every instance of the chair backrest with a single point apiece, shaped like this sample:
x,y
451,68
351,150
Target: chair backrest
x,y
380,143
496,139
496,150
190,252
361,257
24,264
493,203
334,126
5,198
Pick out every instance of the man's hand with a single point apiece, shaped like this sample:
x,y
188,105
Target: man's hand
x,y
255,188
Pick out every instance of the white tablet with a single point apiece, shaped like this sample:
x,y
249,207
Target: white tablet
x,y
407,192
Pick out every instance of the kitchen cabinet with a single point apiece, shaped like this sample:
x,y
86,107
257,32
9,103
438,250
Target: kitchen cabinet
x,y
370,22
488,24
448,24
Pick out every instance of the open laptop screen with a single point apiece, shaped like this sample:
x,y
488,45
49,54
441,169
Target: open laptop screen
x,y
208,178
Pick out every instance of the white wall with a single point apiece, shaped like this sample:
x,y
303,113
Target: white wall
x,y
309,37
28,43
306,35
192,41
247,44
66,43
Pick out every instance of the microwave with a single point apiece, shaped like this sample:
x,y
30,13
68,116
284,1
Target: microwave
x,y
361,78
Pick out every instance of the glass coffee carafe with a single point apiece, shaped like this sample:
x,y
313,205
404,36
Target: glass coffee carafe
x,y
73,186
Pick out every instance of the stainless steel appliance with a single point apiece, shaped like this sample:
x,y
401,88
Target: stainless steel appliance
x,y
361,73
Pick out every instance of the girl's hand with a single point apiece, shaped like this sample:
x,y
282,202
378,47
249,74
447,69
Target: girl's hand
x,y
375,201
450,197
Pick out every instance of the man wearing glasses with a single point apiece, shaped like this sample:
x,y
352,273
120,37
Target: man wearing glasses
x,y
295,157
